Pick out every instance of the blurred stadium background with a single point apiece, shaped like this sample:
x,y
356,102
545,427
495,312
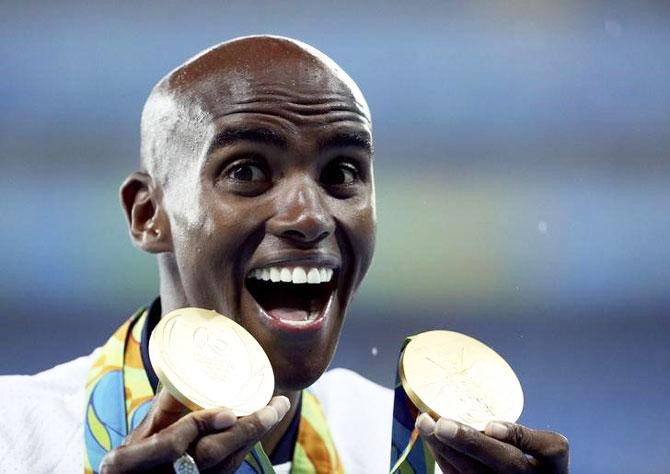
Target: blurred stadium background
x,y
523,171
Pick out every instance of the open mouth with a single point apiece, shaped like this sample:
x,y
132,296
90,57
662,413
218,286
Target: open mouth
x,y
294,295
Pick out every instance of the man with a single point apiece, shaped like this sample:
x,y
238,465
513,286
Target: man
x,y
256,194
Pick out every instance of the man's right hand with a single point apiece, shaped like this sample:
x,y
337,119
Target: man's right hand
x,y
216,438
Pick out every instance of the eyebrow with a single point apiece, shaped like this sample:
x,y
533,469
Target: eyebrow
x,y
231,135
361,140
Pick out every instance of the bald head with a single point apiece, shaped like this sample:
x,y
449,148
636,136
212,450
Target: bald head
x,y
239,76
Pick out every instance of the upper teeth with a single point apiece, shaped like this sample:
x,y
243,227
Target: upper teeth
x,y
293,275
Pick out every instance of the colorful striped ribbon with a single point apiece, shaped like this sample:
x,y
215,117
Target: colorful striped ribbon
x,y
409,454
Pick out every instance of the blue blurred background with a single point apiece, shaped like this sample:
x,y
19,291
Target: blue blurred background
x,y
523,171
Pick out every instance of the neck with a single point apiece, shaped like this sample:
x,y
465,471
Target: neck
x,y
172,294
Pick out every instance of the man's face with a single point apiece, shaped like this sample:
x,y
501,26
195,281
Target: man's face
x,y
273,221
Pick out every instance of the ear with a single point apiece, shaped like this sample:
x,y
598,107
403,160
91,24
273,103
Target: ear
x,y
148,224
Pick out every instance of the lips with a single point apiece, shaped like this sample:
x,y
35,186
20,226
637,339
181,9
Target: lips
x,y
294,297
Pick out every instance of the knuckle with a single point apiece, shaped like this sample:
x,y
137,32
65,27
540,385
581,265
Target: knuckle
x,y
252,428
514,461
520,436
468,438
200,422
558,448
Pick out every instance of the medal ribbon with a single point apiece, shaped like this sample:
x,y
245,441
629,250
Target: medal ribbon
x,y
119,394
409,454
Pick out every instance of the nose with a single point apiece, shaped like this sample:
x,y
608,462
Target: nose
x,y
301,216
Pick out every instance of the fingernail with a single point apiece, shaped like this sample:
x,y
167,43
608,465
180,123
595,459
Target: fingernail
x,y
425,424
268,416
223,420
281,404
496,430
446,429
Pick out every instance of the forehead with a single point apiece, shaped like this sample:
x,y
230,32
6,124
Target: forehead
x,y
272,80
301,102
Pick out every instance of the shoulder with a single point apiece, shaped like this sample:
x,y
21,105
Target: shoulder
x,y
57,378
43,413
359,414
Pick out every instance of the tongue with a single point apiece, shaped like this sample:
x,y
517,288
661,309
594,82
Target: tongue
x,y
290,314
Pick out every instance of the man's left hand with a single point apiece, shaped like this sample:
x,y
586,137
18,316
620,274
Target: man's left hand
x,y
502,448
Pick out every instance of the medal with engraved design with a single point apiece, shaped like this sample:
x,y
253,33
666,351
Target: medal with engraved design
x,y
451,375
207,360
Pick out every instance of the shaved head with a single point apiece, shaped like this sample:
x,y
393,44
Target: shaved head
x,y
177,114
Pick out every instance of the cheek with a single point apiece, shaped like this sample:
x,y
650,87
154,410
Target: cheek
x,y
360,228
367,236
208,232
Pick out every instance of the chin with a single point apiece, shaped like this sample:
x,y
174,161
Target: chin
x,y
298,375
299,358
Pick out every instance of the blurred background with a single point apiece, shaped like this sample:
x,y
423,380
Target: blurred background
x,y
523,171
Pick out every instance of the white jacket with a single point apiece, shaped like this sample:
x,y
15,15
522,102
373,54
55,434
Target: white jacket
x,y
41,419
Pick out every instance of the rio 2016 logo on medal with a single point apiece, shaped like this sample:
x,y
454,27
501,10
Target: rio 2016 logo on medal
x,y
207,360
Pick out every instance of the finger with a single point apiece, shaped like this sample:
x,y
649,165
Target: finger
x,y
457,462
169,444
215,449
445,466
164,411
549,448
232,462
450,460
501,457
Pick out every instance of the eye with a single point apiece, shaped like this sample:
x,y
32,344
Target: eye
x,y
248,176
339,174
247,172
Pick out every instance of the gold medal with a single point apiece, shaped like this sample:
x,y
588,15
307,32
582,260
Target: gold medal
x,y
207,360
450,375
